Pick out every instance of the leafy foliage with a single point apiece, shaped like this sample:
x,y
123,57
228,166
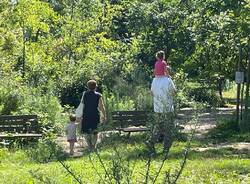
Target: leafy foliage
x,y
46,150
51,49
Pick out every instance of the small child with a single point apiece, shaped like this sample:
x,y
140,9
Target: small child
x,y
70,130
161,66
161,71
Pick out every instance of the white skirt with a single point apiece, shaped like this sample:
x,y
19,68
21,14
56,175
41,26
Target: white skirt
x,y
163,89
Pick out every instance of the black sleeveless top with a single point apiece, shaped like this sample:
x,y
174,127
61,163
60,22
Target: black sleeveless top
x,y
91,101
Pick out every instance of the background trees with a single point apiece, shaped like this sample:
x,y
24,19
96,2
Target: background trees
x,y
55,46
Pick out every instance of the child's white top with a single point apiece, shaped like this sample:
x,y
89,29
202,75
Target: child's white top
x,y
71,131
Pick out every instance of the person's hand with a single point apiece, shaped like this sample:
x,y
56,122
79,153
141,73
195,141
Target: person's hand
x,y
78,119
151,93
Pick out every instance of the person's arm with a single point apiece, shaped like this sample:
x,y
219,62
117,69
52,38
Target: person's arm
x,y
66,130
174,90
166,68
78,119
151,89
102,109
151,92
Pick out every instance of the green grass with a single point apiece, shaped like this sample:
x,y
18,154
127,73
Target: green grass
x,y
211,166
227,131
231,93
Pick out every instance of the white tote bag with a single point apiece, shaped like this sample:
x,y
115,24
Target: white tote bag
x,y
79,109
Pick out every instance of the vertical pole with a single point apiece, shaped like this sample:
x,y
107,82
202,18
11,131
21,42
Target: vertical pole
x,y
238,87
238,103
242,100
248,79
247,104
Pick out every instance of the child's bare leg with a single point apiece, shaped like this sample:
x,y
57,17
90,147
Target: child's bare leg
x,y
71,147
94,140
88,140
81,140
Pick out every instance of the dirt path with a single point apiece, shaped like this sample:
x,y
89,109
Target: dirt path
x,y
206,121
80,146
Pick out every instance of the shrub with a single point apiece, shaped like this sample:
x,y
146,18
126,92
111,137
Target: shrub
x,y
162,127
181,82
181,99
122,87
228,130
10,94
205,95
71,94
143,99
16,97
244,123
46,106
10,103
46,149
114,102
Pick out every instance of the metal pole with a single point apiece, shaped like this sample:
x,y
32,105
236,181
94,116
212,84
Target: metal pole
x,y
246,116
248,80
238,87
238,103
242,100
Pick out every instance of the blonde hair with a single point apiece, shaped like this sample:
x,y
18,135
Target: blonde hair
x,y
72,117
160,54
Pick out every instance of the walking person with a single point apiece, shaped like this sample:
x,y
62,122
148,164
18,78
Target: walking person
x,y
70,131
163,91
92,106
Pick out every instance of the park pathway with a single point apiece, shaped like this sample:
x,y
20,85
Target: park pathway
x,y
207,119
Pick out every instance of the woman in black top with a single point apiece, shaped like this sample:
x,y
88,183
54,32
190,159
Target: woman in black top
x,y
93,103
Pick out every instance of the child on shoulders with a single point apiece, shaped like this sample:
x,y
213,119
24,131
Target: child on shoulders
x,y
161,66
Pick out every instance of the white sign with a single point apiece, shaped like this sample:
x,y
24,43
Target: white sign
x,y
239,77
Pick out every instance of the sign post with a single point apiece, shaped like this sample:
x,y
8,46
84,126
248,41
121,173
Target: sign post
x,y
239,78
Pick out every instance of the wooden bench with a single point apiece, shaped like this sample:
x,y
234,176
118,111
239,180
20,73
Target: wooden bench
x,y
130,121
21,126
